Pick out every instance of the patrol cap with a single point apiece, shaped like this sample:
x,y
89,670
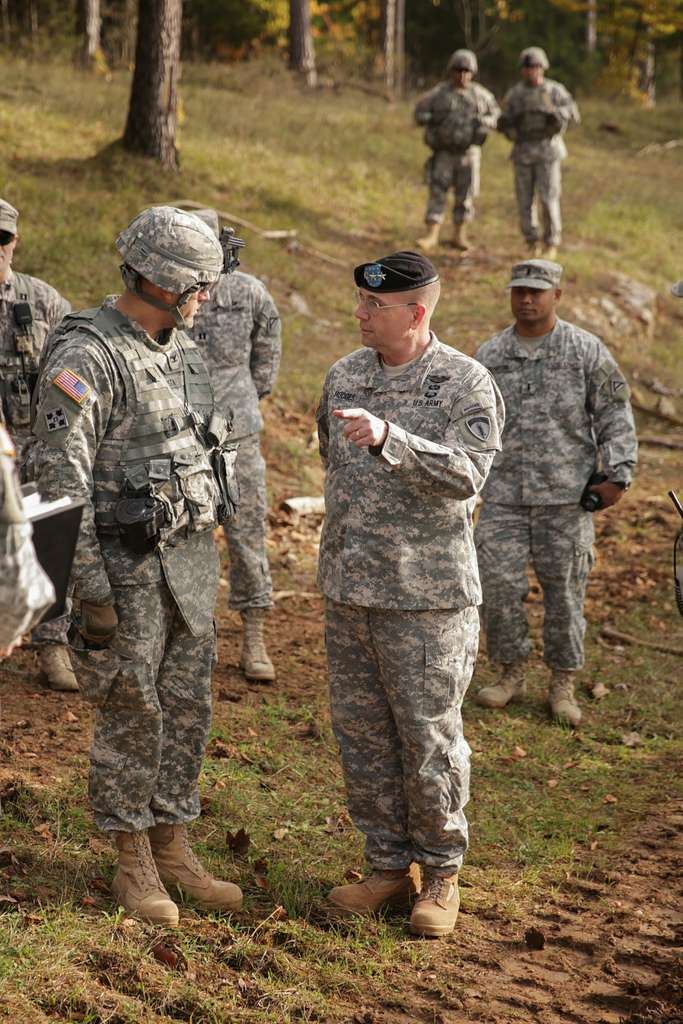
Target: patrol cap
x,y
399,272
209,217
536,274
677,290
463,60
534,56
8,217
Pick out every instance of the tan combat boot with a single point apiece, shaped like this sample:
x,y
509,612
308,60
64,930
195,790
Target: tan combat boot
x,y
460,239
430,241
561,699
550,252
436,908
511,686
55,663
534,249
176,862
137,886
254,660
379,888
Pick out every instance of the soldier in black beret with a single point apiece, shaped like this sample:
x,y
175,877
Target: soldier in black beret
x,y
408,428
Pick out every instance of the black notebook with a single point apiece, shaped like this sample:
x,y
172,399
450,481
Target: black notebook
x,y
55,532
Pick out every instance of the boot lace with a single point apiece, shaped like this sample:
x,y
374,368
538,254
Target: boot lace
x,y
145,859
433,888
191,857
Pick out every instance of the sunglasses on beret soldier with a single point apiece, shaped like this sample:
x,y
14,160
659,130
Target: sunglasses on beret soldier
x,y
6,237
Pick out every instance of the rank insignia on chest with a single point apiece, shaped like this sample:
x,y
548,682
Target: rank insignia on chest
x,y
374,275
173,360
479,427
56,419
72,385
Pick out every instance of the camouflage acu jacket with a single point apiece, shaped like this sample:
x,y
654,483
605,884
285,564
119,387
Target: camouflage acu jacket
x,y
452,115
238,333
398,529
567,413
20,348
525,107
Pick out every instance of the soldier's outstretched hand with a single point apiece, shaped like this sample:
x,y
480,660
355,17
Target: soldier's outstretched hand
x,y
362,428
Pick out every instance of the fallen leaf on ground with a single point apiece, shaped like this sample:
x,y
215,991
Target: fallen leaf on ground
x,y
88,901
631,739
280,833
219,784
279,914
534,938
518,752
353,876
239,842
610,798
167,955
552,783
43,830
70,717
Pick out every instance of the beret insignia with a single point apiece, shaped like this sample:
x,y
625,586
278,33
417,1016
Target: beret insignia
x,y
374,275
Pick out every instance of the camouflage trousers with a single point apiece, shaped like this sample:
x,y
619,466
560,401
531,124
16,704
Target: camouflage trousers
x,y
250,582
545,179
397,682
558,541
55,631
459,172
152,688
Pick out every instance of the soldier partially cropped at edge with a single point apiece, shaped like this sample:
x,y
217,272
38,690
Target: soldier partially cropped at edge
x,y
29,310
457,116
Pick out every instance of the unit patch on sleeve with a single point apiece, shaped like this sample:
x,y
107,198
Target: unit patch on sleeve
x,y
56,419
72,385
479,427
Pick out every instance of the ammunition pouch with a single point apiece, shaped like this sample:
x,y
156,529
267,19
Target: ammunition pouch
x,y
537,125
139,521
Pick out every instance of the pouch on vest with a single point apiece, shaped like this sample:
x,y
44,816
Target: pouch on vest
x,y
224,461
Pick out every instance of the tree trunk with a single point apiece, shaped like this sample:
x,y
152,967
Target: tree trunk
x,y
92,21
592,26
389,24
646,74
4,8
301,52
152,112
400,47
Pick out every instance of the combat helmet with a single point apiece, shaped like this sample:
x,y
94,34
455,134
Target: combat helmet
x,y
174,250
463,60
534,55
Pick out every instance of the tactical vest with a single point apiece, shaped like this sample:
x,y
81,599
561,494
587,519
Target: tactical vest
x,y
453,117
158,446
19,362
538,119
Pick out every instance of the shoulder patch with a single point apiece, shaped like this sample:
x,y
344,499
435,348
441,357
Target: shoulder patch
x,y
56,419
479,426
72,385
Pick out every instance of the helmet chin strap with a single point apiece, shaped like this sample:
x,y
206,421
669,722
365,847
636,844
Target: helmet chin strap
x,y
133,282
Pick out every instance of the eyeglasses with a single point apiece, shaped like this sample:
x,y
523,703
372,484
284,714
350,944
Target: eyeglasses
x,y
6,237
372,306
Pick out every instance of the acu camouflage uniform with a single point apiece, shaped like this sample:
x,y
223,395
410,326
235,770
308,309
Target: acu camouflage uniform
x,y
398,568
567,414
238,334
535,119
134,421
454,119
26,592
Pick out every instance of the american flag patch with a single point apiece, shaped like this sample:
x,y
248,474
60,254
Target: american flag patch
x,y
72,385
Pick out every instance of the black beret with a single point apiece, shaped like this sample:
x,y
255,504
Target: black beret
x,y
400,272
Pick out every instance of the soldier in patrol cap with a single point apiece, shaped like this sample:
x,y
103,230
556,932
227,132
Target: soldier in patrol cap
x,y
569,445
26,592
238,334
125,420
536,114
408,428
457,115
29,309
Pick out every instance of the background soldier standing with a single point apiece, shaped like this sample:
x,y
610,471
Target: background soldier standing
x,y
238,333
29,309
408,428
536,114
124,420
567,415
458,115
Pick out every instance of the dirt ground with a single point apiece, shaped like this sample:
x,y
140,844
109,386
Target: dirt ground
x,y
601,948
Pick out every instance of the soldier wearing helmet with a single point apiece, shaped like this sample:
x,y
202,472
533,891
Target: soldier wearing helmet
x,y
125,419
536,114
457,115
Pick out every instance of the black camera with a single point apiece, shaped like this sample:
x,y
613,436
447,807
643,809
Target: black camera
x,y
139,521
591,500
